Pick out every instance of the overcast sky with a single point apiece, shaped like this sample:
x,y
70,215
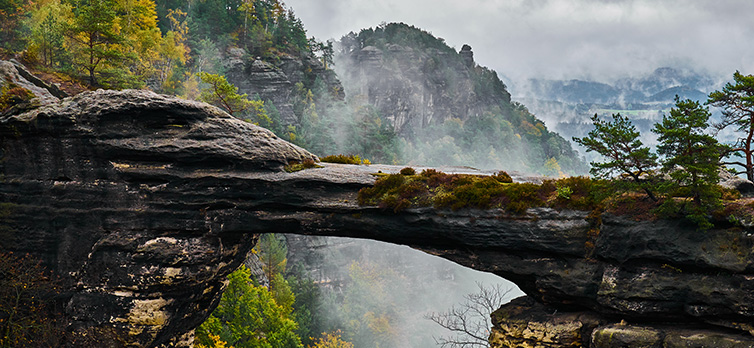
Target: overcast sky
x,y
559,39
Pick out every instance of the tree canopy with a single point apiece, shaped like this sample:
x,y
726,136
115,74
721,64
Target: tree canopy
x,y
737,102
248,316
691,158
618,142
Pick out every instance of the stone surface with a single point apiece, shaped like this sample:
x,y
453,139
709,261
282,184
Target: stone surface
x,y
137,270
666,336
415,88
738,183
276,82
142,204
525,323
15,73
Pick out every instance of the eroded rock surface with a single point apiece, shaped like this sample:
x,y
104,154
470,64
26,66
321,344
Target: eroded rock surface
x,y
526,324
276,83
142,204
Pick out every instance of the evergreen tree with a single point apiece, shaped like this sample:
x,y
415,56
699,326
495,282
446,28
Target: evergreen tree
x,y
224,95
11,14
737,101
248,316
618,142
691,159
96,31
273,254
47,24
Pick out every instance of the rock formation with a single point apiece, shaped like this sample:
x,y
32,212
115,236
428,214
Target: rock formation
x,y
141,204
411,88
14,74
276,82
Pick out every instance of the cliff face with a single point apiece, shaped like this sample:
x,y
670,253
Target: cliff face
x,y
445,107
142,204
416,88
137,270
276,82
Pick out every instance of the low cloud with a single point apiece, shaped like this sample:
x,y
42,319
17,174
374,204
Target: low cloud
x,y
597,39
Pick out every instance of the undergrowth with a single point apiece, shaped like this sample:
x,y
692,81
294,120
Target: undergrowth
x,y
296,166
398,192
13,96
455,191
344,159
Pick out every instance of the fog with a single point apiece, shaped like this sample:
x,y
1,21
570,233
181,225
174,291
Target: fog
x,y
587,39
370,279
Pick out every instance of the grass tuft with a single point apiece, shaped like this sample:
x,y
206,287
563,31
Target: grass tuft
x,y
343,159
296,166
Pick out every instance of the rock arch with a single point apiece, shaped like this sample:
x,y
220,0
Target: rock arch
x,y
142,204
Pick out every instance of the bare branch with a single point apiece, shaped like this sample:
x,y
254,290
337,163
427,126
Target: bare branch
x,y
469,322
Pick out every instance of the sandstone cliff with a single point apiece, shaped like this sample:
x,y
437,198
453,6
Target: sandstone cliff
x,y
443,104
142,204
275,83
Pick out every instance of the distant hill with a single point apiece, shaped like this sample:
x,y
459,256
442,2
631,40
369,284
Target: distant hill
x,y
445,107
566,105
660,86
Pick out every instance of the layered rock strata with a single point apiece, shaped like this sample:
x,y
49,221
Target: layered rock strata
x,y
141,204
525,323
276,83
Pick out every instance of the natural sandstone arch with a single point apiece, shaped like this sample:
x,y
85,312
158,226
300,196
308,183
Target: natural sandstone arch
x,y
142,204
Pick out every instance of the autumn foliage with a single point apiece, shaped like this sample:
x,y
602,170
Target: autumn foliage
x,y
26,293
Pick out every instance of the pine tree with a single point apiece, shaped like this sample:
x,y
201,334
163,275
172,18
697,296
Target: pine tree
x,y
97,34
224,95
273,254
618,141
737,101
691,159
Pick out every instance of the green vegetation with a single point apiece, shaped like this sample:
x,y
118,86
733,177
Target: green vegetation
x,y
306,164
282,311
14,97
690,165
343,159
737,101
618,142
249,316
684,144
224,95
397,192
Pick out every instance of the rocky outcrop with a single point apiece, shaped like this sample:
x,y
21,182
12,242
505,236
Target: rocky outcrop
x,y
526,324
276,82
13,74
412,88
137,270
142,204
